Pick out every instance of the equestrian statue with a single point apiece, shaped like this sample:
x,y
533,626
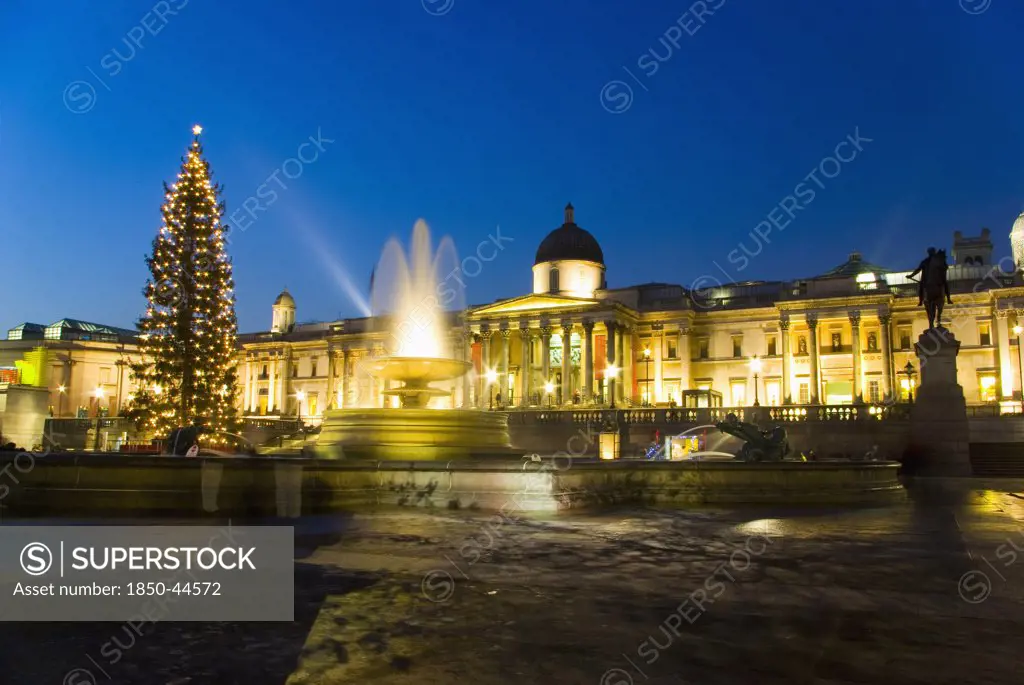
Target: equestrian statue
x,y
933,288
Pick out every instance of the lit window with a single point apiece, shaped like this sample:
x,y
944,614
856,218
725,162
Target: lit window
x,y
984,334
904,332
874,392
739,393
804,394
772,346
987,388
673,349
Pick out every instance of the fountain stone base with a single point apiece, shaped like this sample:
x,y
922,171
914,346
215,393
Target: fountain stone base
x,y
412,434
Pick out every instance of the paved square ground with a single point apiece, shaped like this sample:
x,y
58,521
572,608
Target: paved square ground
x,y
929,592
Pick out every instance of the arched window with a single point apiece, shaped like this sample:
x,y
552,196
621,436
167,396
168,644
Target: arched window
x,y
553,280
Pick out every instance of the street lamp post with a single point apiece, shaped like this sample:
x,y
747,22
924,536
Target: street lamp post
x,y
1018,330
647,373
300,396
610,372
549,388
98,393
61,389
910,373
755,366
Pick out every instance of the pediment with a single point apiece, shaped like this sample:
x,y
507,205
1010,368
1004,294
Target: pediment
x,y
533,302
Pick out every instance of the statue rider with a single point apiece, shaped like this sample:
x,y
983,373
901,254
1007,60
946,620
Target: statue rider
x,y
922,269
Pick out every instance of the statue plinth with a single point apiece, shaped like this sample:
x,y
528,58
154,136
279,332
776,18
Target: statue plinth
x,y
939,433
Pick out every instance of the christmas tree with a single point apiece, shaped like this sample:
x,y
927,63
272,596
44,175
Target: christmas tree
x,y
187,372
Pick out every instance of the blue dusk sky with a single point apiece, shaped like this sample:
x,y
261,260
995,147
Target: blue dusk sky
x,y
677,129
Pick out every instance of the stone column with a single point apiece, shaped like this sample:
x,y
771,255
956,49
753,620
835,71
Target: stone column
x,y
588,360
486,392
812,324
625,355
610,359
253,399
683,347
503,371
465,340
939,433
545,345
884,322
787,359
858,393
331,400
525,365
1006,372
658,343
343,399
566,362
249,383
272,385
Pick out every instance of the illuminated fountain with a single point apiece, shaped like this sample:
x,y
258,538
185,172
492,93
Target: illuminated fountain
x,y
407,299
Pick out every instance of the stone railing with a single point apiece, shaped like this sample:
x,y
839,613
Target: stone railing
x,y
708,415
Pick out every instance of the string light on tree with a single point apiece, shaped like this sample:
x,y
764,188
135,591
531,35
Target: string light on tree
x,y
187,373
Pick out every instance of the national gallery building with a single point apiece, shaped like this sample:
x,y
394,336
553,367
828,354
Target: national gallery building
x,y
845,336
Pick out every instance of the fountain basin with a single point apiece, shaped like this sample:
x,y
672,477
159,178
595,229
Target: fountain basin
x,y
417,373
418,370
413,434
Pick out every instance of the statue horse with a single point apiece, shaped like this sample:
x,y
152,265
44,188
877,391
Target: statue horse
x,y
935,288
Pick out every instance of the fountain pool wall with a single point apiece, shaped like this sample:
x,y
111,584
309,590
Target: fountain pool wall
x,y
97,485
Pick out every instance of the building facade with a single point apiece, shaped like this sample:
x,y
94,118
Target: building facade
x,y
843,337
84,366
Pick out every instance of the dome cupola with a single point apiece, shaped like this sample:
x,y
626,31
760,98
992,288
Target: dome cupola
x,y
569,241
569,261
284,313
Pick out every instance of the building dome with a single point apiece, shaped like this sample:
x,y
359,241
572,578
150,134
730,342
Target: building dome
x,y
1017,241
1018,225
569,242
285,299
